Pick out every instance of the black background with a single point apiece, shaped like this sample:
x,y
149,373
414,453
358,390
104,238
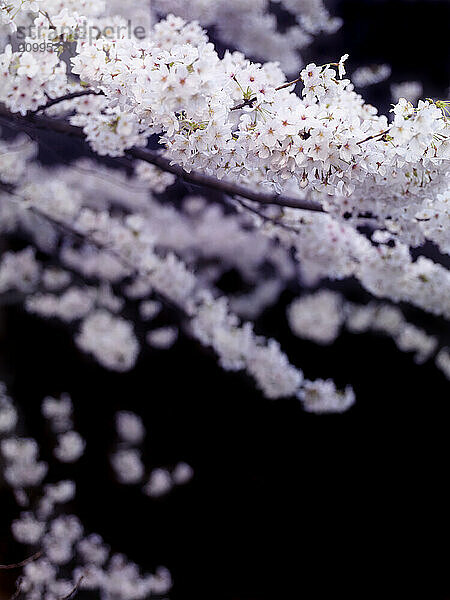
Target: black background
x,y
283,504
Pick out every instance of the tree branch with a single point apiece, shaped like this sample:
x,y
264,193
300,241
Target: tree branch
x,y
72,593
288,84
18,590
374,137
72,232
34,121
260,214
244,103
251,101
22,563
70,96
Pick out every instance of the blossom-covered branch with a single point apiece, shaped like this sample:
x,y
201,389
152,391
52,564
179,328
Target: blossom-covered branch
x,y
156,158
210,321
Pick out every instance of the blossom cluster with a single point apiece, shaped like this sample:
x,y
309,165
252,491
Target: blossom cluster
x,y
69,558
14,156
29,78
329,249
70,445
262,39
328,141
319,317
128,464
411,90
370,75
10,8
111,338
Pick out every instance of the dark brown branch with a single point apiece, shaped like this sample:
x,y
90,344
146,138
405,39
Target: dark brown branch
x,y
251,101
226,187
70,96
33,122
23,563
72,593
247,102
45,14
19,580
259,213
73,233
373,137
18,589
288,84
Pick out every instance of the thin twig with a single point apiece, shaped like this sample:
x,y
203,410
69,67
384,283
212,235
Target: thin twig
x,y
45,14
273,221
22,563
18,589
288,84
251,101
72,593
373,137
246,102
70,96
